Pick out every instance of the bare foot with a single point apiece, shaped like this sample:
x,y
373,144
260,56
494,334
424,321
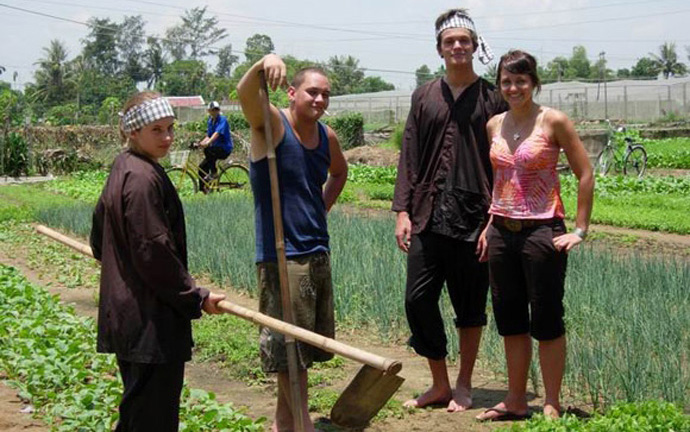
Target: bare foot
x,y
551,411
461,401
430,397
502,412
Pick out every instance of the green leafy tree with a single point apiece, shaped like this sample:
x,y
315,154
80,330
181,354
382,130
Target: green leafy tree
x,y
645,68
194,37
558,69
184,78
130,41
667,61
101,47
226,60
579,64
345,74
623,73
53,78
372,84
2,70
422,75
154,61
258,46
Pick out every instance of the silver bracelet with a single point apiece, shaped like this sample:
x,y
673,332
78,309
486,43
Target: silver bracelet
x,y
580,233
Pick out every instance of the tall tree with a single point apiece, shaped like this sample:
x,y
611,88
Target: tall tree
x,y
193,38
53,80
579,63
345,74
558,69
372,84
422,75
258,46
100,45
184,78
667,61
491,72
154,61
226,60
645,68
130,42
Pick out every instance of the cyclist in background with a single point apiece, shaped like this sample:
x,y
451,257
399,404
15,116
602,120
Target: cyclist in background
x,y
217,145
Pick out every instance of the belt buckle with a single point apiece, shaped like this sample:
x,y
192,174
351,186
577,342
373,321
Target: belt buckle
x,y
513,225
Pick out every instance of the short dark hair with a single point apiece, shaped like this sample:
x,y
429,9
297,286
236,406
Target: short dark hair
x,y
299,77
447,14
519,62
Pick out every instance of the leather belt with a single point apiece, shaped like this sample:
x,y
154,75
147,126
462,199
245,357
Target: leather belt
x,y
517,225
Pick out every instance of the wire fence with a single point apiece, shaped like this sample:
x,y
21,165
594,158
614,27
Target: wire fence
x,y
628,101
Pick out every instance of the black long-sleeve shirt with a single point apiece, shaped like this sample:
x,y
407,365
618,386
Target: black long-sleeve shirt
x,y
147,297
444,174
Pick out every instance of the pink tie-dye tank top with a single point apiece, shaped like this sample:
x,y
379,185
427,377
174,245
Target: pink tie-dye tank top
x,y
526,184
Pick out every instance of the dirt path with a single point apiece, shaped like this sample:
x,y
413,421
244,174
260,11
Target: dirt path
x,y
11,417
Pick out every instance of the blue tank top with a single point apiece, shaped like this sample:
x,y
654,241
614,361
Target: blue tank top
x,y
301,174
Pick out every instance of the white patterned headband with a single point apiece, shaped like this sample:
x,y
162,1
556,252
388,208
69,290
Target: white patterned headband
x,y
145,113
459,20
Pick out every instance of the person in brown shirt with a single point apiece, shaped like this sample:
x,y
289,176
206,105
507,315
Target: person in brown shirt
x,y
147,297
441,198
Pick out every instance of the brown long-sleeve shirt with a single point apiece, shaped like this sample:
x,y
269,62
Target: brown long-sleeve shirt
x,y
444,173
147,297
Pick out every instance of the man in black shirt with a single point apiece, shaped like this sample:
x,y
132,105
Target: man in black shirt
x,y
442,197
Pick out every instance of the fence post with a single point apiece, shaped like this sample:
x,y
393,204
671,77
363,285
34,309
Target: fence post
x,y
685,97
625,103
669,106
551,97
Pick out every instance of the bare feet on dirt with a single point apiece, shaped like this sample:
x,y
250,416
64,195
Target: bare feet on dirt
x,y
462,399
503,412
432,396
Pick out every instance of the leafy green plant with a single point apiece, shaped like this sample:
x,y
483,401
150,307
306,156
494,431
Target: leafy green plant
x,y
15,155
651,416
48,355
349,127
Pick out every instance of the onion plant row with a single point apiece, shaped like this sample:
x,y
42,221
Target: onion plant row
x,y
628,325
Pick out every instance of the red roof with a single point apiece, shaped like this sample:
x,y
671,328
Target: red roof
x,y
186,101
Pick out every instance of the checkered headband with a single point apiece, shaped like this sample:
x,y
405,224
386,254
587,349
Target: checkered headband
x,y
145,113
460,20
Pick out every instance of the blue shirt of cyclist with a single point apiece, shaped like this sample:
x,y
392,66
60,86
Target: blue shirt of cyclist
x,y
220,125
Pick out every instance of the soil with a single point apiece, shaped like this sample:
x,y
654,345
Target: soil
x,y
372,155
260,401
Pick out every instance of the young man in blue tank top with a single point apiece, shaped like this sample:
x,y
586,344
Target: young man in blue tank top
x,y
311,172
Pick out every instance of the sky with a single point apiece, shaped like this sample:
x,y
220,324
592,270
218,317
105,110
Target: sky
x,y
390,38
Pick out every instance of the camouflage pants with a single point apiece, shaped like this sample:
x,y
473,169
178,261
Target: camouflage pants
x,y
311,294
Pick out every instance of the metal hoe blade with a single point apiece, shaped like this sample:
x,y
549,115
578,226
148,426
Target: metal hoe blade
x,y
364,397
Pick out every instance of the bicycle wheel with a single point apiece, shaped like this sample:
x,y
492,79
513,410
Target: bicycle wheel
x,y
605,160
234,176
184,182
635,161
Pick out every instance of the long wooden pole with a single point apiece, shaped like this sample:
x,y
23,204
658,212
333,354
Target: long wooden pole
x,y
286,300
327,344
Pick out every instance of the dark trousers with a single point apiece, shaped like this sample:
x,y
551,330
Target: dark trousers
x,y
151,399
432,260
527,276
208,165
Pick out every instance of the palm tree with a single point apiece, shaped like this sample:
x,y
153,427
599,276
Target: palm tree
x,y
53,76
667,61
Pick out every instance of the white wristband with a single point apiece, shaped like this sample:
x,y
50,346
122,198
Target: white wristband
x,y
580,233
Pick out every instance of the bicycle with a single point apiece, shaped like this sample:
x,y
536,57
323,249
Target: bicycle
x,y
184,174
633,159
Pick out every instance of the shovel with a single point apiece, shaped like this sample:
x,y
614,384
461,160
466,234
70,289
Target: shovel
x,y
372,387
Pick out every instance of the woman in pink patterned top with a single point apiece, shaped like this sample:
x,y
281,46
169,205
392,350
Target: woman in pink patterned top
x,y
526,242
